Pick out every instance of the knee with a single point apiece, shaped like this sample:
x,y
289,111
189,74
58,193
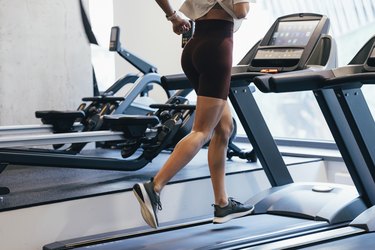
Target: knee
x,y
202,137
224,131
206,137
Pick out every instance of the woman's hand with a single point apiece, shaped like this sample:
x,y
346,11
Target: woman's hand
x,y
241,10
180,25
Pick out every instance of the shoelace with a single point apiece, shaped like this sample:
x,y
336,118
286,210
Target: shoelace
x,y
231,201
157,202
234,202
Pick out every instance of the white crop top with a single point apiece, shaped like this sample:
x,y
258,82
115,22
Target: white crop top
x,y
195,9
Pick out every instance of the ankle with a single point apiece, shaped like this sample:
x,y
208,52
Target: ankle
x,y
222,203
157,187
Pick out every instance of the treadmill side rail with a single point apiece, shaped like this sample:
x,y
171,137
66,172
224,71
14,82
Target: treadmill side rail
x,y
366,220
340,203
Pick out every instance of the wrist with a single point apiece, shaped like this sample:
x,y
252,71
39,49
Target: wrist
x,y
172,17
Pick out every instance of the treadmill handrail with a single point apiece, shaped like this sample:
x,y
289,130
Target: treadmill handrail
x,y
310,80
357,80
292,81
180,81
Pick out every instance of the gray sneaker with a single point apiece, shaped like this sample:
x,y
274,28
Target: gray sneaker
x,y
149,201
233,210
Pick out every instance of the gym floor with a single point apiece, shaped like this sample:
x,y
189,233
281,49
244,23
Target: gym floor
x,y
31,186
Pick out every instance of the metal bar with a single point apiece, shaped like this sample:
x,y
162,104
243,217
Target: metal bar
x,y
27,129
133,93
137,62
361,122
349,149
259,135
22,129
34,140
70,161
121,83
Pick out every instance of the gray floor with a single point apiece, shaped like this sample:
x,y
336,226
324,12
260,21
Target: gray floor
x,y
31,186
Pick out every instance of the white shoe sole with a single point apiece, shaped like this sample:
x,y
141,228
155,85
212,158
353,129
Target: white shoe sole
x,y
221,220
146,207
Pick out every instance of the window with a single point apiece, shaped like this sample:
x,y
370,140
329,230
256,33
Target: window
x,y
101,19
297,115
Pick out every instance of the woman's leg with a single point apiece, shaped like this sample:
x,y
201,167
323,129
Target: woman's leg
x,y
217,155
207,115
225,208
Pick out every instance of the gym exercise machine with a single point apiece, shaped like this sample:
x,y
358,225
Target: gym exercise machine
x,y
148,135
287,209
338,91
87,116
131,126
91,116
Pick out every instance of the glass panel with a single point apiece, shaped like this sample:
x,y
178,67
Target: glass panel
x,y
302,34
101,19
297,115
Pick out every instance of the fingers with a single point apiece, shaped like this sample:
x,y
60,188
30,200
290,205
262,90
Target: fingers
x,y
185,27
181,27
187,24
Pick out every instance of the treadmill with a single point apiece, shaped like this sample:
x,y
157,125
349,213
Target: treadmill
x,y
344,86
285,210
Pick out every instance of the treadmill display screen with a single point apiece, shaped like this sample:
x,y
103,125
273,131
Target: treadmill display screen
x,y
279,54
293,33
114,34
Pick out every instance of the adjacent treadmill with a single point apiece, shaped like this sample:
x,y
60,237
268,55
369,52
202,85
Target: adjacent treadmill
x,y
339,89
287,209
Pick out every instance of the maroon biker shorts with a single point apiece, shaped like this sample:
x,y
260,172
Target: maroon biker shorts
x,y
207,58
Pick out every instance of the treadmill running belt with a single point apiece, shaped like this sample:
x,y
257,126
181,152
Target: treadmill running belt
x,y
254,228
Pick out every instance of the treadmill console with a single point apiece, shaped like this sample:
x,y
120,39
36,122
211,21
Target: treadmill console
x,y
114,41
289,43
293,33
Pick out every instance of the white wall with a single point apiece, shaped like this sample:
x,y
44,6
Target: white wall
x,y
146,32
101,19
44,58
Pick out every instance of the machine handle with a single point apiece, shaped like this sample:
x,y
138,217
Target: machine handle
x,y
291,82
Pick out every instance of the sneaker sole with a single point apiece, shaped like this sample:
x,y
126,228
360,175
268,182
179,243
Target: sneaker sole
x,y
221,220
146,206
